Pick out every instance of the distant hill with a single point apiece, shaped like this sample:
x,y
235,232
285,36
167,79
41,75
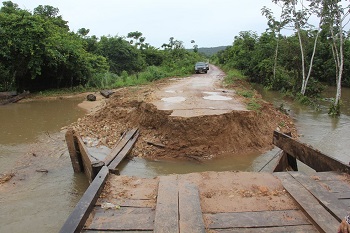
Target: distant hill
x,y
210,51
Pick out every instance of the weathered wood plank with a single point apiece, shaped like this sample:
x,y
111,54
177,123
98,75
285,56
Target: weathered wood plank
x,y
78,217
327,199
125,218
319,215
90,164
311,157
75,158
167,210
123,153
275,164
331,175
120,145
344,195
191,218
285,229
336,186
260,219
90,231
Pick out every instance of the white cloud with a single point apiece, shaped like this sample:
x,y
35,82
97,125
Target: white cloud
x,y
210,23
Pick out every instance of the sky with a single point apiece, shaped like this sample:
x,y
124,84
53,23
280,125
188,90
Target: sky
x,y
209,23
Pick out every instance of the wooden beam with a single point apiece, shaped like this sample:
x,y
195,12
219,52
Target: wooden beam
x,y
190,213
307,155
80,214
167,210
75,158
322,219
120,145
123,153
91,165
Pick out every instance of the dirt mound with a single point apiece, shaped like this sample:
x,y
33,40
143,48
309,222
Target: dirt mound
x,y
166,136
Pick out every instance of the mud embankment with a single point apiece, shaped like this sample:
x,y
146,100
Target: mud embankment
x,y
200,137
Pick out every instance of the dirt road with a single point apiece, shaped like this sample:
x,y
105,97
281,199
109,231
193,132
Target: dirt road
x,y
198,95
191,118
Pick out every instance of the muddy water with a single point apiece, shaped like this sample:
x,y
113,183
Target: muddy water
x,y
30,140
41,202
317,128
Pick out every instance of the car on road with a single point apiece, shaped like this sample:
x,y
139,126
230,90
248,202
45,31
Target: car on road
x,y
200,67
207,65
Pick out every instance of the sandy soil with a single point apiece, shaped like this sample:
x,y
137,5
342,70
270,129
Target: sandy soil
x,y
193,128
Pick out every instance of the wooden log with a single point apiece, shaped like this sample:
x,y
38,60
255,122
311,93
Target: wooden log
x,y
74,154
7,94
123,153
316,213
15,98
80,214
191,218
307,155
167,210
120,145
106,93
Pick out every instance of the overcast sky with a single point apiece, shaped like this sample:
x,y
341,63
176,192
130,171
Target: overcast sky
x,y
210,23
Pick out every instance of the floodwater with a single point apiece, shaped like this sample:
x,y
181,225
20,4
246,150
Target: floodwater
x,y
31,139
316,128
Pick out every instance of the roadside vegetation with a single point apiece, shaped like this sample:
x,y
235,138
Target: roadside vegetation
x,y
38,52
302,63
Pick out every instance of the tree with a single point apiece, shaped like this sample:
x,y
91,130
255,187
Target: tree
x,y
137,36
335,16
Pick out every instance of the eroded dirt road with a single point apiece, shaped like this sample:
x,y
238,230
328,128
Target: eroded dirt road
x,y
198,95
192,118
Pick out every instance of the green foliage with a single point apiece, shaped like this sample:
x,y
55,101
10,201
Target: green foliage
x,y
246,93
254,105
334,110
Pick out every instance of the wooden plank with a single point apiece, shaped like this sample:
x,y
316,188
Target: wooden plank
x,y
346,202
78,217
285,229
123,153
125,218
327,199
120,145
129,203
167,210
319,215
309,156
344,195
191,218
275,164
90,164
90,231
336,186
258,219
75,158
331,175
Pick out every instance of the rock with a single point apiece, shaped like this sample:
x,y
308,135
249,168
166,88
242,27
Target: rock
x,y
91,97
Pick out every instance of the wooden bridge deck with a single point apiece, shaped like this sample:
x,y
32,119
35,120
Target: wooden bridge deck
x,y
222,202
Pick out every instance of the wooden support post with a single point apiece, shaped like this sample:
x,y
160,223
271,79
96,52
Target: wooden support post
x,y
307,155
73,150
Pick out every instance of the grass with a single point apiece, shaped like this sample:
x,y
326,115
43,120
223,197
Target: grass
x,y
254,105
232,76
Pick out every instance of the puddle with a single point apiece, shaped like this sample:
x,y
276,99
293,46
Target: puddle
x,y
176,99
217,97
